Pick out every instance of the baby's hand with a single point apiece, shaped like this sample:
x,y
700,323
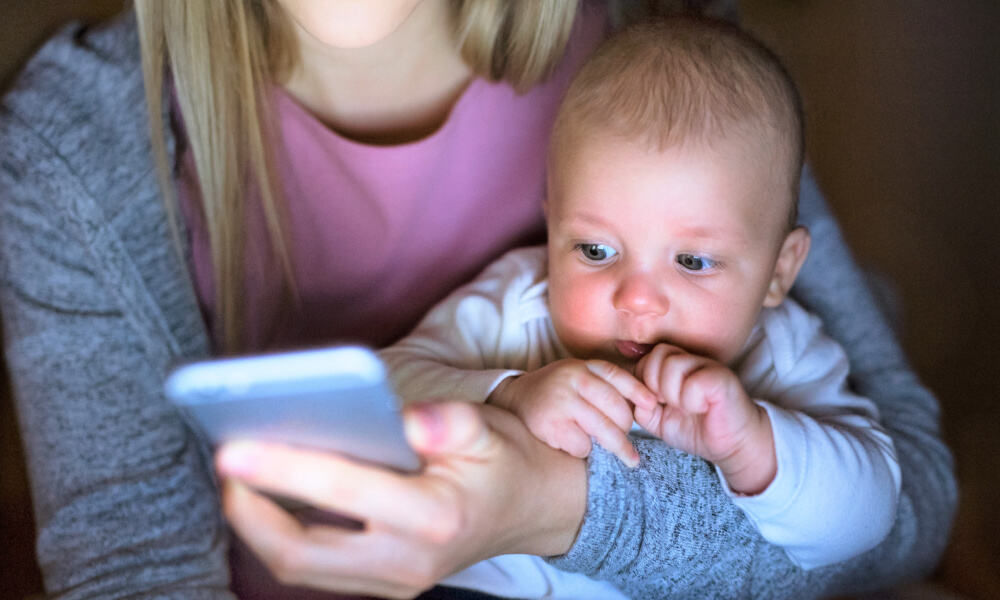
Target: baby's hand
x,y
703,409
567,402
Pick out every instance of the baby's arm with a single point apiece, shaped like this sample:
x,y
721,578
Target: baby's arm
x,y
829,447
464,347
837,488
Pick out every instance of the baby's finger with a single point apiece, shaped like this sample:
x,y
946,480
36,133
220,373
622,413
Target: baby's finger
x,y
572,440
608,435
650,368
601,395
649,418
703,384
623,381
675,371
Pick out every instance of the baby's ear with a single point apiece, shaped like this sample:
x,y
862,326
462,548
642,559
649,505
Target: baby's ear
x,y
790,258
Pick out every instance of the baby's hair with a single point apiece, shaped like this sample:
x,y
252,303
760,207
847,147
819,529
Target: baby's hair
x,y
684,80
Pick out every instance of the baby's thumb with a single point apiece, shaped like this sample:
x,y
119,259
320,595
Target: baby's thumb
x,y
436,428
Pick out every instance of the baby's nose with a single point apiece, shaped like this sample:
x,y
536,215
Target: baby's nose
x,y
641,294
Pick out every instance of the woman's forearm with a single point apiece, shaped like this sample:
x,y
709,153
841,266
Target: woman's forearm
x,y
550,498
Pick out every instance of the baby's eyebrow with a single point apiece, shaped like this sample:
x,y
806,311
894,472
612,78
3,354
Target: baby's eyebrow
x,y
587,218
713,233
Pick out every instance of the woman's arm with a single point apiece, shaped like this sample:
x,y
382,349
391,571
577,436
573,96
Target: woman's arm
x,y
665,530
124,501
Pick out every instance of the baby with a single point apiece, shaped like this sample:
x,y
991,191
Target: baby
x,y
661,298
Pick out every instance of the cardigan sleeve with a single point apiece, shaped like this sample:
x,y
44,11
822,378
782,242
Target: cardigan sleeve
x,y
125,504
666,529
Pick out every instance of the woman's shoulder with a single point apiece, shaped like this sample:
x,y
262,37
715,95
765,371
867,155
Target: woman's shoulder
x,y
76,114
79,70
78,187
81,96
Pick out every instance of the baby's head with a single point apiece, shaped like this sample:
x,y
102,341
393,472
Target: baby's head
x,y
673,178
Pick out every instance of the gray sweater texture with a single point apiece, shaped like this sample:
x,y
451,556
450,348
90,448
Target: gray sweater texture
x,y
97,306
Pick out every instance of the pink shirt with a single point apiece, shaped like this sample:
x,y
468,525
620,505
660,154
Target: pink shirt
x,y
379,234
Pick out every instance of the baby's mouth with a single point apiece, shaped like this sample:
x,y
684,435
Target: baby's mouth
x,y
633,350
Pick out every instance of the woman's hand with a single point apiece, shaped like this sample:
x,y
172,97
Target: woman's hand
x,y
488,488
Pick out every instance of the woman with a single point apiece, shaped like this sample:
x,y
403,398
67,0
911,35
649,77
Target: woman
x,y
262,102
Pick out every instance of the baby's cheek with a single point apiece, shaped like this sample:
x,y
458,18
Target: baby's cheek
x,y
579,317
723,332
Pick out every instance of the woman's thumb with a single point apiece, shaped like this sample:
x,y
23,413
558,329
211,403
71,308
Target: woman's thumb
x,y
446,428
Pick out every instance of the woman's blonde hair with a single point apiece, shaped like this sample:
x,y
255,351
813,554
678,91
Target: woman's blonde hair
x,y
223,55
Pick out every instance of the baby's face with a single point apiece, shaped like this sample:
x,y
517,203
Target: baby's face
x,y
676,246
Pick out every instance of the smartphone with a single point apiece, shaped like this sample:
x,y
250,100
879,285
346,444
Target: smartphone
x,y
334,399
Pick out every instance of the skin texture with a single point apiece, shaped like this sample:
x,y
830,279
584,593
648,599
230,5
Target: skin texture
x,y
704,410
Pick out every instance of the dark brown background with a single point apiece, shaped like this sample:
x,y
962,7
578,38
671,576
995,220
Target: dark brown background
x,y
904,133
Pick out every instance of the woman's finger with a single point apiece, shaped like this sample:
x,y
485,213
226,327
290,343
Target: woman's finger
x,y
446,428
318,556
258,519
329,482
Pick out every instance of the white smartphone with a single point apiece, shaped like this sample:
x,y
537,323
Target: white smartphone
x,y
334,399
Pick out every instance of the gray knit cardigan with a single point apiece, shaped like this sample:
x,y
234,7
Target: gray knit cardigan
x,y
97,306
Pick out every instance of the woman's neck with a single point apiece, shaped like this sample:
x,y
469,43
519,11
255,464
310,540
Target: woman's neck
x,y
397,90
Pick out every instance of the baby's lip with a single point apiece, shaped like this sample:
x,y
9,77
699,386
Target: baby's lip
x,y
633,350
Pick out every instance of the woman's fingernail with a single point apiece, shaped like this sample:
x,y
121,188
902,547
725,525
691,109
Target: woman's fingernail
x,y
427,430
238,459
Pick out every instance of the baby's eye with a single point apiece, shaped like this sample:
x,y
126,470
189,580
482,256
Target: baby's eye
x,y
693,262
596,253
